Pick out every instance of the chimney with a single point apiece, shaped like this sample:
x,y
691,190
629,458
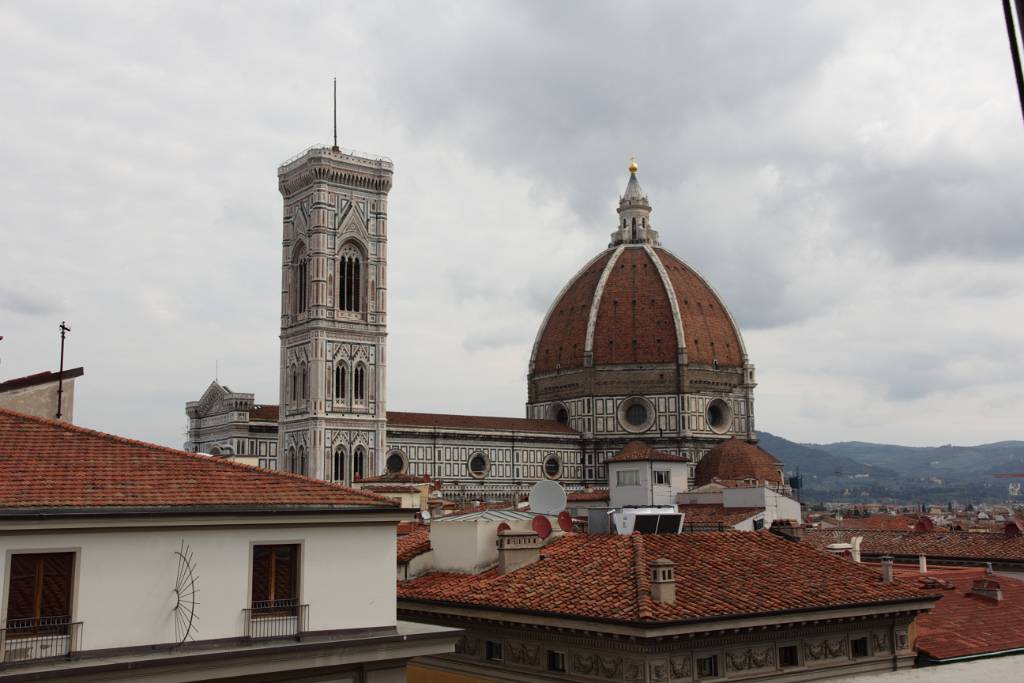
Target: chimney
x,y
663,581
922,564
887,569
517,549
987,588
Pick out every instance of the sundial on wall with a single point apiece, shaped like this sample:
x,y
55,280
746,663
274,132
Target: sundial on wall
x,y
185,591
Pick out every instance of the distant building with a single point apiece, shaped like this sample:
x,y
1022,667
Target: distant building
x,y
1004,550
636,347
230,424
129,561
37,394
739,486
660,607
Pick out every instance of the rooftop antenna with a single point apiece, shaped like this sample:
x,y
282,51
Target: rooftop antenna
x,y
335,148
64,329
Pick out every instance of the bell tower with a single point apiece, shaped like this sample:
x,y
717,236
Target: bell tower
x,y
332,421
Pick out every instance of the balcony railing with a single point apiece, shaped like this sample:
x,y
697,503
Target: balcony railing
x,y
276,619
26,640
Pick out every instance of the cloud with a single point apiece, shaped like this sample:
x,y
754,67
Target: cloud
x,y
27,302
846,175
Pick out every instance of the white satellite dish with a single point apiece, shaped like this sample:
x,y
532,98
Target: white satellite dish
x,y
547,498
425,515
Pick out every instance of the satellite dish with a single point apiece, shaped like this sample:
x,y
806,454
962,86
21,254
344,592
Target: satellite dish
x,y
542,526
503,527
565,521
425,515
547,498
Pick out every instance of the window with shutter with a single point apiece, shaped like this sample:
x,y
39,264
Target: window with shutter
x,y
39,591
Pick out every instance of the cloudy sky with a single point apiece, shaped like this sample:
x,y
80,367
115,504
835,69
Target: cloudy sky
x,y
848,175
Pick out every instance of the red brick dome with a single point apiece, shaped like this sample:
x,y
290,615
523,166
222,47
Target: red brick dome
x,y
636,303
737,460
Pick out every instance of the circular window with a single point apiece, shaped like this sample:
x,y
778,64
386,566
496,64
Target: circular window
x,y
636,414
478,465
719,416
395,463
552,467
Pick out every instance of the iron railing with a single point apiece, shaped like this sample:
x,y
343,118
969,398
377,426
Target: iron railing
x,y
276,619
25,640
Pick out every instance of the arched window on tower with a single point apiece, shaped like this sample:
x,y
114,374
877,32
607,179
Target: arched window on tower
x,y
359,383
300,465
338,469
301,279
358,463
339,381
350,279
634,228
289,465
294,398
305,383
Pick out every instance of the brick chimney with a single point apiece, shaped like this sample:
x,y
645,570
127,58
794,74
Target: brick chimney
x,y
887,569
987,588
663,581
517,549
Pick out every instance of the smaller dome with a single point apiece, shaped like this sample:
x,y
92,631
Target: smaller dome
x,y
736,460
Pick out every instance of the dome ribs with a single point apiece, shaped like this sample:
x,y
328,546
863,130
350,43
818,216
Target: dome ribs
x,y
563,337
710,333
633,314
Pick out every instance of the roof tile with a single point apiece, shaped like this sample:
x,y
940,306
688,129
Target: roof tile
x,y
50,464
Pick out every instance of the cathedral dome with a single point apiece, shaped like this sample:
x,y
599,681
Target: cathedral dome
x,y
636,304
737,460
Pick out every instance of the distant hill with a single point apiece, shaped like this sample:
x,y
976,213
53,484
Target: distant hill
x,y
948,462
826,475
860,471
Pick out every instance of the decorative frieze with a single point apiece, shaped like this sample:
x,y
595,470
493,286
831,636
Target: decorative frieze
x,y
749,658
827,648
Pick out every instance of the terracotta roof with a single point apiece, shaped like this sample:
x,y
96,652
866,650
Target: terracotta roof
x,y
390,488
562,338
39,378
50,464
475,422
713,515
269,413
737,460
394,478
963,624
583,496
718,575
959,545
413,543
890,522
638,450
633,320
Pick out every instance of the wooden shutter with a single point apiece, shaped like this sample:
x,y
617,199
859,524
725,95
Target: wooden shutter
x,y
261,559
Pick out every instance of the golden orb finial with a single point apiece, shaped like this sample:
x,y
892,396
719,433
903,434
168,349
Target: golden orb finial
x,y
632,164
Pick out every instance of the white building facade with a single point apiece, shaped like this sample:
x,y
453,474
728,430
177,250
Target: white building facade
x,y
143,563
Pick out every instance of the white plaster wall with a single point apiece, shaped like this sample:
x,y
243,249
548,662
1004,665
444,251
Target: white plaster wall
x,y
467,546
646,493
123,592
744,497
700,498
